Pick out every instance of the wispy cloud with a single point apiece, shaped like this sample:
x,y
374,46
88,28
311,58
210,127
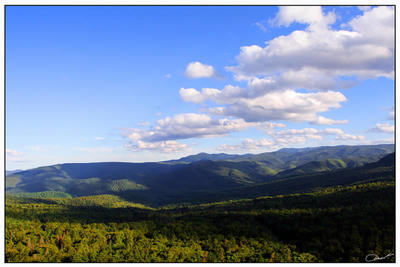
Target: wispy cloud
x,y
15,156
95,149
391,114
383,128
261,26
284,138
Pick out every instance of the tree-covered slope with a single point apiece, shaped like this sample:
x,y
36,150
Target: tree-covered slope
x,y
337,224
86,178
318,166
163,182
289,158
382,170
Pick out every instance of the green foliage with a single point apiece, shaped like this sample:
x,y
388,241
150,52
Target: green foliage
x,y
12,181
314,167
44,194
336,224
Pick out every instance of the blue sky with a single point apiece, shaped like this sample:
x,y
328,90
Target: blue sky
x,y
87,84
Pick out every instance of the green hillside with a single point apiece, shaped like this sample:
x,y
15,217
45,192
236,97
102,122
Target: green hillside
x,y
336,224
316,166
283,171
289,158
382,170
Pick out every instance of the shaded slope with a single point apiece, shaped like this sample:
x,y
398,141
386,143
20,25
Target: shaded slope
x,y
212,175
317,166
382,170
86,178
289,158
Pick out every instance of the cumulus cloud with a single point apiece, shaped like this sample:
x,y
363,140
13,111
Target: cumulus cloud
x,y
286,105
178,127
319,57
383,128
197,70
228,95
257,104
312,15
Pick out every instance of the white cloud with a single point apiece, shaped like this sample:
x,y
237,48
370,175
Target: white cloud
x,y
247,144
312,15
192,95
288,137
13,153
383,128
270,126
319,57
14,156
168,75
285,105
228,95
312,133
380,141
258,104
315,58
99,138
325,121
365,8
181,126
199,70
391,114
168,146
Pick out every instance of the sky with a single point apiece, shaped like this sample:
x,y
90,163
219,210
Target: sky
x,y
146,83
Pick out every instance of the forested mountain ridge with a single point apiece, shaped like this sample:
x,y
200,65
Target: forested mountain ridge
x,y
382,170
158,183
9,172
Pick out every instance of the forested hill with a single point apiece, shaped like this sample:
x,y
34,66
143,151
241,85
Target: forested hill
x,y
162,182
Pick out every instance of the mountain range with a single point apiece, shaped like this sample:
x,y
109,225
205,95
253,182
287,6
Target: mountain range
x,y
205,177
